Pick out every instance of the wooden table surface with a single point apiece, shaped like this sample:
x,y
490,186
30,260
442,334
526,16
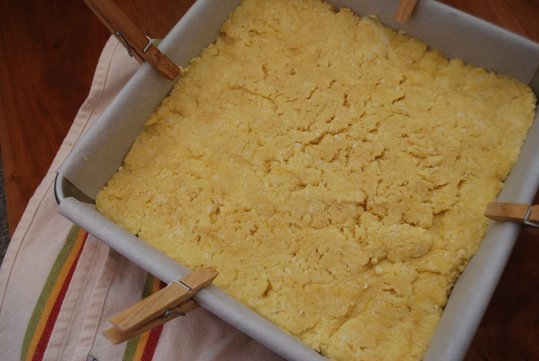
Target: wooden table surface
x,y
49,50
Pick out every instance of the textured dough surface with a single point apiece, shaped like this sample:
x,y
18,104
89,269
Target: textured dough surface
x,y
334,172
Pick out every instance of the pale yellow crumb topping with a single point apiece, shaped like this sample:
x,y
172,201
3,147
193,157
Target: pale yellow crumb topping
x,y
334,171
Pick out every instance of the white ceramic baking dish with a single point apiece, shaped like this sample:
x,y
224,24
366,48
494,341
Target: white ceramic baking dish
x,y
98,155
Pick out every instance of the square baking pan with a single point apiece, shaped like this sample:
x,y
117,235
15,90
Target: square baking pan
x,y
100,152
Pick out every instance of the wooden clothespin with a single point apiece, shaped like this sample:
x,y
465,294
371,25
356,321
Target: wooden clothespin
x,y
170,302
404,11
135,41
513,212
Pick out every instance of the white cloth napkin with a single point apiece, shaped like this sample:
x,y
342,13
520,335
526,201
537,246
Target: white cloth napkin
x,y
100,282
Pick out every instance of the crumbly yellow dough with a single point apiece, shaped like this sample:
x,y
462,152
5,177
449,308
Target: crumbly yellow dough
x,y
334,171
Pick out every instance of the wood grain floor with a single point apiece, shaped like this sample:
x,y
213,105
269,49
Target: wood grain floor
x,y
49,50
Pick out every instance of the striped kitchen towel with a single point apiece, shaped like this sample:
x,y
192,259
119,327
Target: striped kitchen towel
x,y
59,285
